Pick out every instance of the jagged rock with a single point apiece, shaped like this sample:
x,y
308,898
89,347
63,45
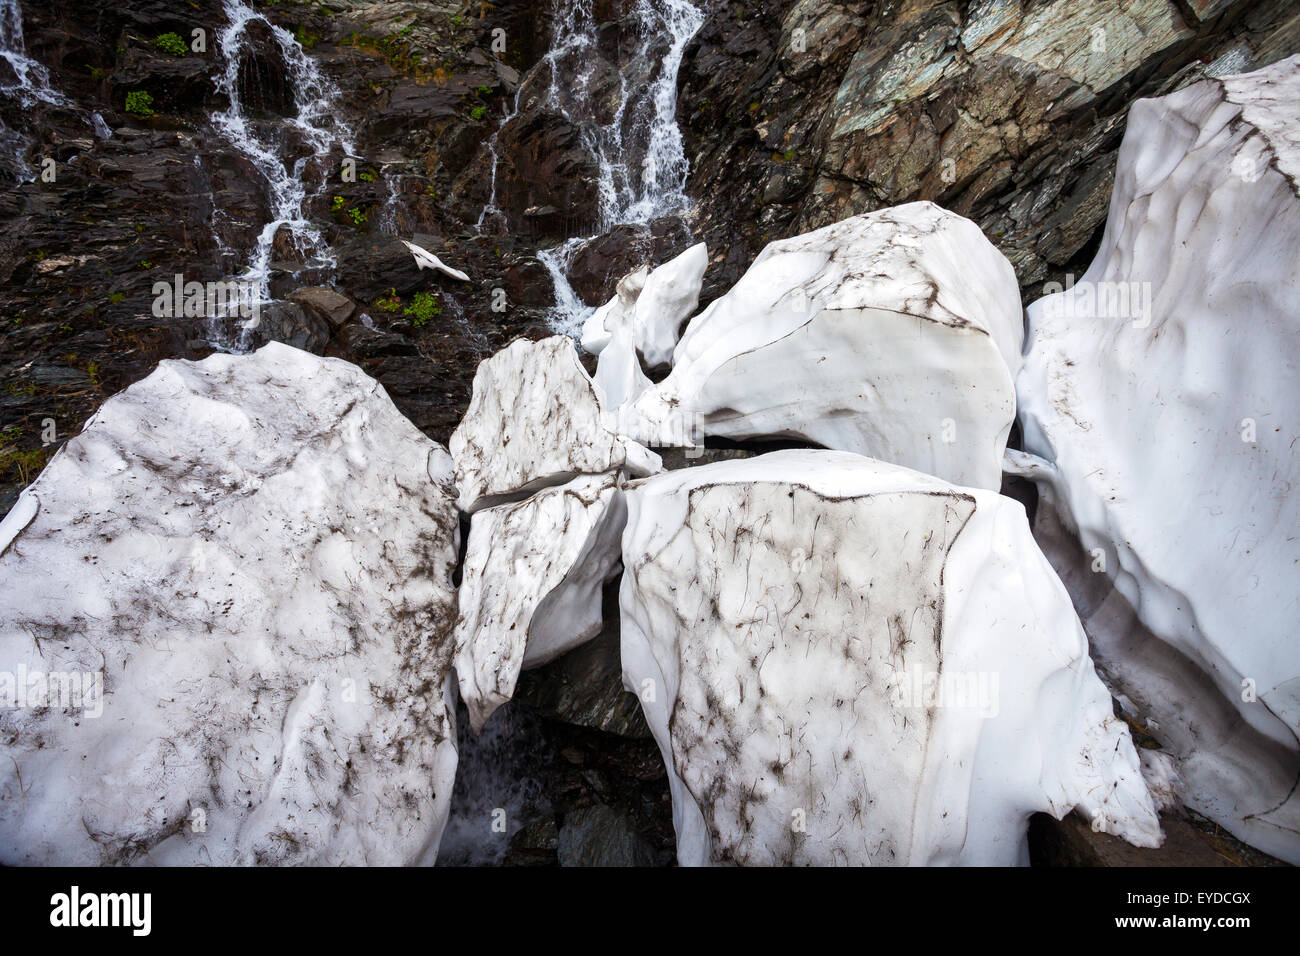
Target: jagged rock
x,y
250,560
844,661
331,306
291,324
1007,113
1160,390
601,836
535,420
543,163
532,582
895,334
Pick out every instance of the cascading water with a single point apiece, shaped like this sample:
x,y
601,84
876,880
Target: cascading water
x,y
314,134
642,165
30,85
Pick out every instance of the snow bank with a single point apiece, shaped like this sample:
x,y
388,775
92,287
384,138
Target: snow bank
x,y
896,334
535,420
235,587
847,662
531,586
1161,389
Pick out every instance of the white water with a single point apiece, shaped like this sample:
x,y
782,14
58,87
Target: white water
x,y
495,794
315,126
31,85
639,155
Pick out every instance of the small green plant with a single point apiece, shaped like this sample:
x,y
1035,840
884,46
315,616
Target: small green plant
x,y
337,203
139,103
389,303
171,43
26,464
146,264
483,90
422,308
357,216
478,112
367,176
306,39
116,297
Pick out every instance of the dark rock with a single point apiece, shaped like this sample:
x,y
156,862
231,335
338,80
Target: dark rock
x,y
371,268
601,836
967,105
291,324
543,164
536,844
1188,842
585,686
527,282
331,306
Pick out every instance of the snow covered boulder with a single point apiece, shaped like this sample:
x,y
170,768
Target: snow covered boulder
x,y
535,420
848,662
600,325
654,303
532,584
895,334
226,627
1161,391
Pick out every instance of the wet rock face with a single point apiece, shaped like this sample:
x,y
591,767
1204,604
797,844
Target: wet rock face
x,y
797,115
165,195
547,180
600,835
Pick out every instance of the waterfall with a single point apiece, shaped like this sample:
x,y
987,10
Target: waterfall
x,y
30,86
490,208
638,153
495,792
313,132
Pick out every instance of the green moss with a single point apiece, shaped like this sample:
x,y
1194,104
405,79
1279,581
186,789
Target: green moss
x,y
393,48
422,308
389,303
171,43
21,464
139,103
